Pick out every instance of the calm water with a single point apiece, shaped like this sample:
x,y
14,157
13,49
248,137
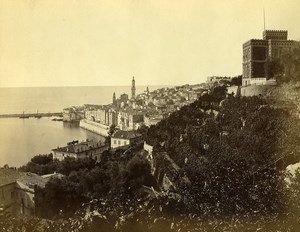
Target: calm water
x,y
21,139
54,99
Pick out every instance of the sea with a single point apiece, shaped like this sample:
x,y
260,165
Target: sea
x,y
21,139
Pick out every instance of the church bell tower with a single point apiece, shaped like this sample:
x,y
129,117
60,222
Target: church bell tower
x,y
133,89
114,101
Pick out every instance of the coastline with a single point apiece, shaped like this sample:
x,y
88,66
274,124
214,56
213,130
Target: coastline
x,y
22,139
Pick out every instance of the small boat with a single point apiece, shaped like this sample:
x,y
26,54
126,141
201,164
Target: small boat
x,y
57,119
37,115
23,116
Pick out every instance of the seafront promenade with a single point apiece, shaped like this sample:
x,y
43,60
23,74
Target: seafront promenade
x,y
32,115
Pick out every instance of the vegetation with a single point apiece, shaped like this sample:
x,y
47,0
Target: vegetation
x,y
234,156
233,150
41,165
286,68
236,80
45,164
160,214
117,175
291,65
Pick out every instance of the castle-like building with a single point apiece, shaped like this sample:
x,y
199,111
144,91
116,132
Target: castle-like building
x,y
256,52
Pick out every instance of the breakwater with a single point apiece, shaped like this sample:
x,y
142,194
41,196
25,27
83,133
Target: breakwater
x,y
32,115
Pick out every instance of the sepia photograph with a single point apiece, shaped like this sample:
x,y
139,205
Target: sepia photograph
x,y
149,115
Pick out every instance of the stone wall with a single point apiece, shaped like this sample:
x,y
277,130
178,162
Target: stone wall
x,y
255,90
95,127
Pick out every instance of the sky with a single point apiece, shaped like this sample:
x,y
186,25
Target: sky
x,y
105,42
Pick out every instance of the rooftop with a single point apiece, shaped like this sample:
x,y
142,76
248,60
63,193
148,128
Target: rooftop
x,y
8,175
29,179
47,177
126,134
75,147
11,175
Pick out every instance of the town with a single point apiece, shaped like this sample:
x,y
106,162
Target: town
x,y
130,112
121,122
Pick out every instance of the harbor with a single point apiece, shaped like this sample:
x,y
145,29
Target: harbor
x,y
22,139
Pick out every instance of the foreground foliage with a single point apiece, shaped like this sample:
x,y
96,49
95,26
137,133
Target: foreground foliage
x,y
233,150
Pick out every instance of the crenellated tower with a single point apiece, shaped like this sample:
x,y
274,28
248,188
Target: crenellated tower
x,y
133,89
258,52
275,34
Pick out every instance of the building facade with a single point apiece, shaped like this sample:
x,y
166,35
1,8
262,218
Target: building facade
x,y
256,52
17,191
87,149
150,120
124,138
105,116
72,114
213,79
130,119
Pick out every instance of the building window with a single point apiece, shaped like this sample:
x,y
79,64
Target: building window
x,y
12,195
124,142
119,142
115,141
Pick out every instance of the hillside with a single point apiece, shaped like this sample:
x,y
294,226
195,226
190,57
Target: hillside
x,y
233,151
286,96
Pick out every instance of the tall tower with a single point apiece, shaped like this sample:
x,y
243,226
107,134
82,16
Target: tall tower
x,y
133,89
114,99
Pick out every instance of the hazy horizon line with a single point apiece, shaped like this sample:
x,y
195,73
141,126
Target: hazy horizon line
x,y
71,86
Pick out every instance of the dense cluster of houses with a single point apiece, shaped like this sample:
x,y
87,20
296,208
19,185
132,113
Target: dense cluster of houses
x,y
129,113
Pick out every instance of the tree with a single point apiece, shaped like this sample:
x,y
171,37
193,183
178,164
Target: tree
x,y
290,61
112,130
41,165
139,172
273,68
42,159
236,80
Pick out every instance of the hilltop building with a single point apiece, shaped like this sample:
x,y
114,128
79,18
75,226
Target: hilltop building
x,y
256,52
213,79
